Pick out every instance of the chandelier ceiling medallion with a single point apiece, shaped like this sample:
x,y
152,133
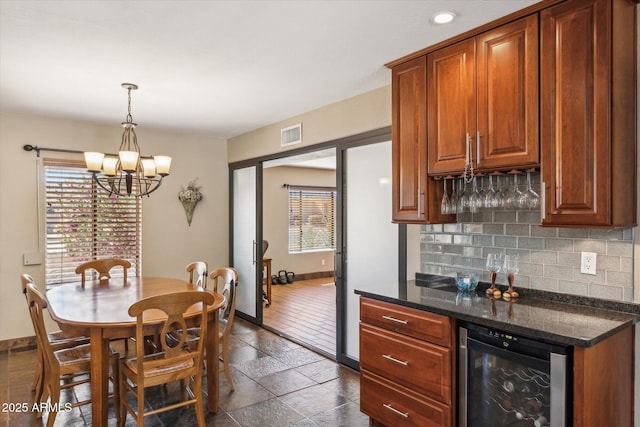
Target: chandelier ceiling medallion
x,y
128,174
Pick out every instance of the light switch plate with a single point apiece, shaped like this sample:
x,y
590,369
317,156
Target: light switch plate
x,y
33,258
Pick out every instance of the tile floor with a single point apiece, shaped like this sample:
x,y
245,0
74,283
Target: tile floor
x,y
277,383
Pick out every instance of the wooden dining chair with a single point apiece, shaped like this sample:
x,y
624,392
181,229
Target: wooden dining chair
x,y
225,281
58,340
198,273
69,366
103,266
173,362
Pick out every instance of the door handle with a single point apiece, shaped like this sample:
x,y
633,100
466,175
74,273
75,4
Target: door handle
x,y
393,359
478,148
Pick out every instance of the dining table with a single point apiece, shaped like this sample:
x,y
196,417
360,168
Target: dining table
x,y
99,310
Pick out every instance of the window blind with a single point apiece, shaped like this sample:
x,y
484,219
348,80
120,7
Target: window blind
x,y
311,218
84,223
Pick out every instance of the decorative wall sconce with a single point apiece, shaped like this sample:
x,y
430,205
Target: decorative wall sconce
x,y
189,198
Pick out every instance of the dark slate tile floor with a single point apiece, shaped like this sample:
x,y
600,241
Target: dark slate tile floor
x,y
278,383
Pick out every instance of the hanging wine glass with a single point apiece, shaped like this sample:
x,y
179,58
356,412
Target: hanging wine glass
x,y
463,201
445,204
511,267
490,200
494,263
453,199
513,195
529,199
482,191
475,201
499,193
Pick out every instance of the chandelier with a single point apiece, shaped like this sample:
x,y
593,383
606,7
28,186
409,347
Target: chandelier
x,y
128,174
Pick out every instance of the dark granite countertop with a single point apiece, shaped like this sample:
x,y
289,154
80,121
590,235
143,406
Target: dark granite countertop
x,y
556,318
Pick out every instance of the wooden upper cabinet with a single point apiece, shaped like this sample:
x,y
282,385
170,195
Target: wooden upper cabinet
x,y
416,199
483,101
507,70
409,140
451,104
588,140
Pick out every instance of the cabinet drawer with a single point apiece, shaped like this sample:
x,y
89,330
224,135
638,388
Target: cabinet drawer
x,y
421,366
415,323
394,405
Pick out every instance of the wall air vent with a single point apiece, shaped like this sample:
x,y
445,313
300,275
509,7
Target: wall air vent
x,y
291,135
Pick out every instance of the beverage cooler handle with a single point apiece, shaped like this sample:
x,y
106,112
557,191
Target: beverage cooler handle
x,y
462,377
558,372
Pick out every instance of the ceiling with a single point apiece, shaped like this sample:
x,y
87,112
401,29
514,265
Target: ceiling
x,y
221,67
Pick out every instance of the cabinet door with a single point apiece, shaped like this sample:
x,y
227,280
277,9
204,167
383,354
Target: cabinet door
x,y
451,106
587,107
507,79
409,140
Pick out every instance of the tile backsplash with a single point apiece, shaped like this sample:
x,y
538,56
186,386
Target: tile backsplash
x,y
549,257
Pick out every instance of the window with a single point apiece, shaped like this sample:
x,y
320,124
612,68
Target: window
x,y
85,223
311,218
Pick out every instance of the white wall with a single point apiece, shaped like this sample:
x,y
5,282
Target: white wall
x,y
276,218
168,242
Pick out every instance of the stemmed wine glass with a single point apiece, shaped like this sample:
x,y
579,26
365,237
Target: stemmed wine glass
x,y
490,200
463,201
453,200
494,263
475,201
529,198
511,267
445,204
513,194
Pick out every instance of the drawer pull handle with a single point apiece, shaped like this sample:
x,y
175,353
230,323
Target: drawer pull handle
x,y
393,359
392,409
393,319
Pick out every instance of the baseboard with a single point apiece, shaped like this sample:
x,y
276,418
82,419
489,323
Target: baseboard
x,y
316,275
24,343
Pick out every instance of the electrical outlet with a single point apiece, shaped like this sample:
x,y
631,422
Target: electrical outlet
x,y
588,263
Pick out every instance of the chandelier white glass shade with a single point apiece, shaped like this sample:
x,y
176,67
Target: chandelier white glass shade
x,y
128,174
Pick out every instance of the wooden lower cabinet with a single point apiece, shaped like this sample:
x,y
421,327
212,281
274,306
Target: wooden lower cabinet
x,y
406,366
391,404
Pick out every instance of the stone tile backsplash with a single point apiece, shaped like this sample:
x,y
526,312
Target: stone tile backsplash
x,y
549,257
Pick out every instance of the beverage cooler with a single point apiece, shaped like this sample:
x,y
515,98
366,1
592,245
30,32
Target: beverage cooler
x,y
510,380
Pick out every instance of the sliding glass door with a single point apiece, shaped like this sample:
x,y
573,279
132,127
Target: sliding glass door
x,y
244,253
370,240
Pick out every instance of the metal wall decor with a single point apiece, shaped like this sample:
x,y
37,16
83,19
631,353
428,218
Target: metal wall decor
x,y
189,198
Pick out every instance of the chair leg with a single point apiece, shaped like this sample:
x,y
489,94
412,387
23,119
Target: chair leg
x,y
225,361
37,376
197,389
38,379
55,398
122,398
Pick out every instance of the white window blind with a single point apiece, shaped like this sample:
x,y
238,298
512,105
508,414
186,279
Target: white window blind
x,y
84,223
311,218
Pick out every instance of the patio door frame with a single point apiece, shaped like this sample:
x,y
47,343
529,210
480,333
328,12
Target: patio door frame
x,y
340,145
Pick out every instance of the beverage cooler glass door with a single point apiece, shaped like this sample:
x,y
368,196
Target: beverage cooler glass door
x,y
510,381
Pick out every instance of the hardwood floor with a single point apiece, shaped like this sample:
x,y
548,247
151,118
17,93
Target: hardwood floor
x,y
305,311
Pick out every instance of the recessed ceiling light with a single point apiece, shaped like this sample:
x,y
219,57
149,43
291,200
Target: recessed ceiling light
x,y
443,17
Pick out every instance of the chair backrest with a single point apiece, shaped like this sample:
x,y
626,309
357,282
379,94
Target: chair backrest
x,y
26,278
198,272
37,305
103,266
225,281
174,305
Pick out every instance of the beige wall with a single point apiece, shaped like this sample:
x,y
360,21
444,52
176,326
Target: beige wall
x,y
366,112
168,242
276,218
